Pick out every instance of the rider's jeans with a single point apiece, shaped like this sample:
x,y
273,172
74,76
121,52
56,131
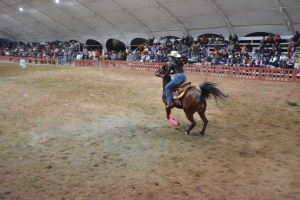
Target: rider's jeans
x,y
177,80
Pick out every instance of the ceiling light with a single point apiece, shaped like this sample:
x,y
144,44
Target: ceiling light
x,y
21,9
56,1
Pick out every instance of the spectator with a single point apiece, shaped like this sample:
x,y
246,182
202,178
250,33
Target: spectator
x,y
143,58
208,59
221,39
196,50
297,64
297,52
204,40
269,42
86,55
66,56
290,63
235,38
249,47
224,58
230,47
277,38
259,63
291,48
113,55
217,60
263,40
267,53
212,41
296,37
282,64
282,57
236,47
251,62
243,48
82,55
273,62
96,54
278,47
124,55
102,57
265,62
202,52
246,54
230,38
244,61
217,46
120,55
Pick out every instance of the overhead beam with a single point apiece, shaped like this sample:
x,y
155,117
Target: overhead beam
x,y
78,37
103,19
72,17
285,16
8,34
22,24
170,15
221,13
124,11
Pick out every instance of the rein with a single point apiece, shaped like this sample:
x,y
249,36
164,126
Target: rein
x,y
158,73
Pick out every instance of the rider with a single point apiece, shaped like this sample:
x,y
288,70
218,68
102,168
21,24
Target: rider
x,y
176,65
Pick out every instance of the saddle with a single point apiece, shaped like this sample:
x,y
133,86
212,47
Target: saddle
x,y
178,92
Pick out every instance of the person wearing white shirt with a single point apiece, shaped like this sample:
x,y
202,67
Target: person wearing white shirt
x,y
282,57
273,62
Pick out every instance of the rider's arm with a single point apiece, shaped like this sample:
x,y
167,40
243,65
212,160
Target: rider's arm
x,y
169,69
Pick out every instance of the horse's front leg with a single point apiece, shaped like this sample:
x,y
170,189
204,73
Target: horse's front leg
x,y
170,118
168,112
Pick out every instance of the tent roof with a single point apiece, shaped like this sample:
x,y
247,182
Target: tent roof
x,y
125,20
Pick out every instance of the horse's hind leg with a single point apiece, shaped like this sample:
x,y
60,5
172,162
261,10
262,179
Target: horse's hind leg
x,y
201,112
193,123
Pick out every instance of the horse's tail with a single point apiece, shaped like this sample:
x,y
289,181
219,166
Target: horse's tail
x,y
209,89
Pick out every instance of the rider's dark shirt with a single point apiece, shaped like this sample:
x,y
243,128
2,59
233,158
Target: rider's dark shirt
x,y
176,66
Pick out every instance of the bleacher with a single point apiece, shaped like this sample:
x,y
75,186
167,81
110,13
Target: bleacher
x,y
255,42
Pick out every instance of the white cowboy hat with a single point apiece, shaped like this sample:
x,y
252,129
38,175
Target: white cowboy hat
x,y
174,54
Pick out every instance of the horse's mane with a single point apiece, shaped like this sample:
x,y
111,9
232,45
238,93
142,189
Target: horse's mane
x,y
168,77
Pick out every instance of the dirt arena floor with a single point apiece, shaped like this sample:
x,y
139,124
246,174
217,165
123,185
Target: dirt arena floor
x,y
90,133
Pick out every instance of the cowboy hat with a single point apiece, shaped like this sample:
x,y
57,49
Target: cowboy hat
x,y
174,54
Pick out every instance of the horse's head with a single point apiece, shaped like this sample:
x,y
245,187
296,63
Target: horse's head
x,y
161,71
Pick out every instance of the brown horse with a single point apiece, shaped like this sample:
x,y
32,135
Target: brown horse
x,y
191,100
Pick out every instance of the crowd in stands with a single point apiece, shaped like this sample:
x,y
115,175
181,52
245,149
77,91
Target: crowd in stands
x,y
218,51
56,49
202,50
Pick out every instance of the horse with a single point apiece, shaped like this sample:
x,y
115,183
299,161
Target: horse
x,y
190,99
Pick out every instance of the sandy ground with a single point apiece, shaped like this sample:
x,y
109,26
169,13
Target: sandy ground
x,y
86,133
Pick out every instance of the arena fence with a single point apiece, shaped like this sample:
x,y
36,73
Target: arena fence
x,y
54,61
247,73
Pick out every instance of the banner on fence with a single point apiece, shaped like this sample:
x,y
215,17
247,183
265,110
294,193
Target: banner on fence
x,y
22,63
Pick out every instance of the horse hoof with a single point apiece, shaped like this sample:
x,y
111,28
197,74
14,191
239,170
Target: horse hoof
x,y
201,133
186,133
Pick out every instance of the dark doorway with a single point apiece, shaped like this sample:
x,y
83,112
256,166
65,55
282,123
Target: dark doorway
x,y
135,43
116,45
92,45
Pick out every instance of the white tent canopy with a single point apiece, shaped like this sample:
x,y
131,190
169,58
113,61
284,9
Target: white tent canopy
x,y
125,20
